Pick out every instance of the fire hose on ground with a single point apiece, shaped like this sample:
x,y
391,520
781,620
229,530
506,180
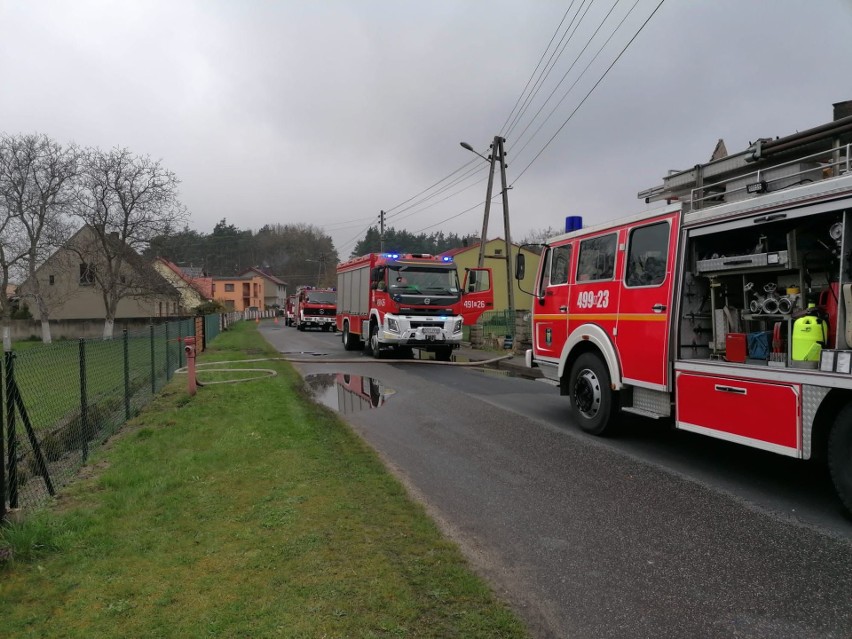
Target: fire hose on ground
x,y
192,368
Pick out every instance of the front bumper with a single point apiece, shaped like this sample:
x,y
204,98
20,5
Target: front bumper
x,y
412,330
319,320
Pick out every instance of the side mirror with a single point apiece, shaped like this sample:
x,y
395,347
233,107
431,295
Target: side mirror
x,y
520,266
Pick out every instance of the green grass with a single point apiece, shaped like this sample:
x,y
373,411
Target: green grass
x,y
49,376
246,511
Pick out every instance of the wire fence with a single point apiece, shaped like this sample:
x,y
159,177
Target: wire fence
x,y
60,401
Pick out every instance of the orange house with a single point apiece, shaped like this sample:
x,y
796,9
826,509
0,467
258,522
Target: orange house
x,y
239,293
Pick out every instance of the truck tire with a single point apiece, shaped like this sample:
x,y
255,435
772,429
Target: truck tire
x,y
840,455
350,341
300,327
375,348
590,395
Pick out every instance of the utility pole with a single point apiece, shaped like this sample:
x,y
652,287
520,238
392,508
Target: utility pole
x,y
498,143
321,272
498,153
381,231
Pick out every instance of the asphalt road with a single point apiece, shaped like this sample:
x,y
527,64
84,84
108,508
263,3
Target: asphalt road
x,y
653,534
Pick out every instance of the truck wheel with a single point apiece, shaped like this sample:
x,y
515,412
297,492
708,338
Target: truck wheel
x,y
375,349
300,327
840,455
444,353
350,341
591,395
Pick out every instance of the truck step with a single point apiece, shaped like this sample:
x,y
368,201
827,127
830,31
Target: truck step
x,y
642,412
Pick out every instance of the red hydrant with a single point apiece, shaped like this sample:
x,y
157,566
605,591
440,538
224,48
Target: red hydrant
x,y
189,348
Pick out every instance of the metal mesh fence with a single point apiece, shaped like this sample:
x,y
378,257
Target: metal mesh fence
x,y
497,324
61,400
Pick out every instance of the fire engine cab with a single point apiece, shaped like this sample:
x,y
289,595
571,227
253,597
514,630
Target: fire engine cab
x,y
728,310
392,302
315,307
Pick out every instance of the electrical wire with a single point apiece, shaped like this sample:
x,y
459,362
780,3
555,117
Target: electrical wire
x,y
551,64
570,68
595,86
532,75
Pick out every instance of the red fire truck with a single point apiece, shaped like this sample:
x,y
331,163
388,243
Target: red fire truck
x,y
392,301
315,307
290,310
728,310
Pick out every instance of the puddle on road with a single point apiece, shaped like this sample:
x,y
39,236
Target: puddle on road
x,y
347,393
311,353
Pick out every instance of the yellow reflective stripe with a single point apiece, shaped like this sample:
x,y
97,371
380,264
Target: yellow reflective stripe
x,y
625,317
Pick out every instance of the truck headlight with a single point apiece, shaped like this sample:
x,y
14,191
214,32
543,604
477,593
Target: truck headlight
x,y
457,326
393,325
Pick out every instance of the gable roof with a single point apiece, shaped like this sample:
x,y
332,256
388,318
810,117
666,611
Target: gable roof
x,y
475,245
271,278
203,285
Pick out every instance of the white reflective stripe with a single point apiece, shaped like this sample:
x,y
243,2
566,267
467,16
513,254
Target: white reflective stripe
x,y
739,439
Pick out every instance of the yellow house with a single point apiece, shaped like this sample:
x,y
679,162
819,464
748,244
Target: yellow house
x,y
495,252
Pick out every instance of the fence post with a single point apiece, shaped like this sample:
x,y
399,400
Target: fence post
x,y
126,376
153,369
84,403
166,324
2,451
12,464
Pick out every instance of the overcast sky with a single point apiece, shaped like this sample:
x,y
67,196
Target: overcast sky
x,y
325,112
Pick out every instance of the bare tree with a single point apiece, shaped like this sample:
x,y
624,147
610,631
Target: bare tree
x,y
13,249
36,176
125,200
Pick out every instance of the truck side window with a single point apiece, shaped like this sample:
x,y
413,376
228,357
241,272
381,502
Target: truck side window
x,y
597,258
646,255
544,282
561,263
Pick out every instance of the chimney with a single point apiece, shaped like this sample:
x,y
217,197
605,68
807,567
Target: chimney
x,y
842,109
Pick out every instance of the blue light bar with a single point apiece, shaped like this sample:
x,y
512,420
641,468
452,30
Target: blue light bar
x,y
447,258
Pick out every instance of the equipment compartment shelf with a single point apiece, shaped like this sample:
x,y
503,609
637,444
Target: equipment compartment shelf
x,y
743,262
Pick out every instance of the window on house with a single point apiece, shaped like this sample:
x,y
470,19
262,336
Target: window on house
x,y
51,280
229,288
87,274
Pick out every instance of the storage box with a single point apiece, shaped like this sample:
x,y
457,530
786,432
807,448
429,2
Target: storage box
x,y
759,344
735,347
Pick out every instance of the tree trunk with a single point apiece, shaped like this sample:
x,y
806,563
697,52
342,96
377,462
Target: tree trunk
x,y
45,330
109,323
7,339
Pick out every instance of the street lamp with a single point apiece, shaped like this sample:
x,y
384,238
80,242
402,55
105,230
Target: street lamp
x,y
465,145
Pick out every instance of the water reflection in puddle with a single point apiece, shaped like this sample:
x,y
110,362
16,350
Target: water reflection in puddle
x,y
347,393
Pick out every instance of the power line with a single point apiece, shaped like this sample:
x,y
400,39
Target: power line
x,y
583,101
551,63
570,68
543,53
393,208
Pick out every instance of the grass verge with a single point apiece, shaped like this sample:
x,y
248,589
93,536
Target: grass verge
x,y
246,511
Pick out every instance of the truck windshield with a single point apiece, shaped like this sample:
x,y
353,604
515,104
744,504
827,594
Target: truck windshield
x,y
418,279
322,297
